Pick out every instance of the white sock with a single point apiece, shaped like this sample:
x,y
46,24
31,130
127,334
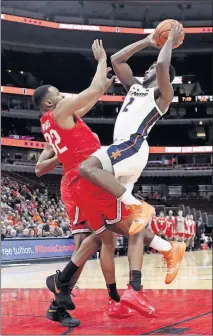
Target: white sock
x,y
128,199
160,244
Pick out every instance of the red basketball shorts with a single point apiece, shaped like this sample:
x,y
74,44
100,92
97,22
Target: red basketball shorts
x,y
78,222
169,233
96,205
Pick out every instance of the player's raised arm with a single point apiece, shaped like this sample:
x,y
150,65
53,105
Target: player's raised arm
x,y
162,67
80,113
99,85
121,68
47,161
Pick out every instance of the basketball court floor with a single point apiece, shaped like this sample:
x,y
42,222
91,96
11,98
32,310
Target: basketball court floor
x,y
185,306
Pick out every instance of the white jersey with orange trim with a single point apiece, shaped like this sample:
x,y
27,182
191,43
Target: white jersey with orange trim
x,y
138,114
127,157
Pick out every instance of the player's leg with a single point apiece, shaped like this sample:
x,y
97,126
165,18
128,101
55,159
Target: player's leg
x,y
92,170
59,283
99,170
172,252
134,297
55,312
78,239
107,260
108,242
79,228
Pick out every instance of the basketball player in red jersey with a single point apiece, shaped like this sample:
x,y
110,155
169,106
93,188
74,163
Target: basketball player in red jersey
x,y
170,224
73,142
161,224
48,160
154,225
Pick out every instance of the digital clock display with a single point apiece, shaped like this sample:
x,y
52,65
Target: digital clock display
x,y
187,99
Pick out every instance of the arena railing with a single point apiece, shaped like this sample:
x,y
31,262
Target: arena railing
x,y
94,28
105,98
153,150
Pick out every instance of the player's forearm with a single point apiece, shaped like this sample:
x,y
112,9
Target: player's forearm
x,y
124,54
98,85
46,166
99,80
81,113
164,57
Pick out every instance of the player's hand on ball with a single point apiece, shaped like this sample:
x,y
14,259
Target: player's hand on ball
x,y
151,40
98,51
175,33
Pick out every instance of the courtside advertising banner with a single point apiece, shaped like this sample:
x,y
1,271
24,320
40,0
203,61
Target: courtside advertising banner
x,y
12,250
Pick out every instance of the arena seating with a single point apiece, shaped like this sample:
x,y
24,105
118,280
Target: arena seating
x,y
28,210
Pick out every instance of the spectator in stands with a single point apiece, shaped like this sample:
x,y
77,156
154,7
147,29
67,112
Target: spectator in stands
x,y
30,212
39,233
58,232
68,233
31,233
25,233
46,230
8,232
3,233
36,217
52,232
13,233
19,230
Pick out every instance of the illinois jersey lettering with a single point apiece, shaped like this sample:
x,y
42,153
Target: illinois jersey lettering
x,y
138,114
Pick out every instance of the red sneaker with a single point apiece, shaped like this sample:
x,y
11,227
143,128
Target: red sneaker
x,y
138,301
118,310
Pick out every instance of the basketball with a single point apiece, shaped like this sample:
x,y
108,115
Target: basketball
x,y
162,33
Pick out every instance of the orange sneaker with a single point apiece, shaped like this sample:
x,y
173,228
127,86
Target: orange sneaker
x,y
173,259
142,215
118,310
138,301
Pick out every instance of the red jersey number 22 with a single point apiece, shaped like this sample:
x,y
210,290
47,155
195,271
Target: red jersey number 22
x,y
54,140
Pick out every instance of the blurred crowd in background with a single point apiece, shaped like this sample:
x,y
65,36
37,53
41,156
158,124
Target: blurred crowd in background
x,y
28,213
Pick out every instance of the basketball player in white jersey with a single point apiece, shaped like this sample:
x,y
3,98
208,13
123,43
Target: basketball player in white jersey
x,y
117,167
144,104
187,230
179,226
